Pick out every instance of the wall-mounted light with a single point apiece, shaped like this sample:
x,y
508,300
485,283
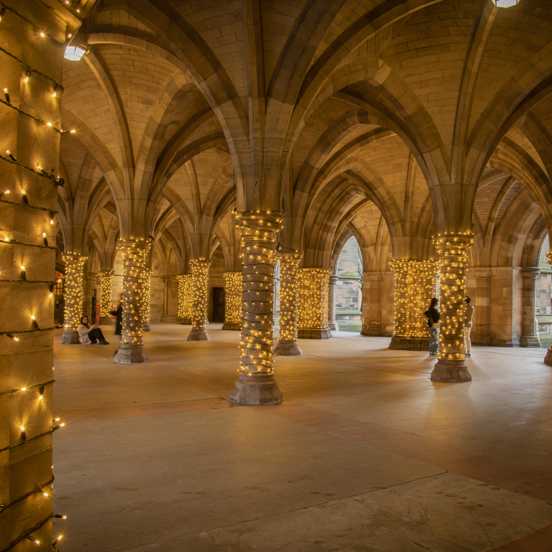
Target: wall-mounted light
x,y
505,3
74,53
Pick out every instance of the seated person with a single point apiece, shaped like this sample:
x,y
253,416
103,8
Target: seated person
x,y
90,334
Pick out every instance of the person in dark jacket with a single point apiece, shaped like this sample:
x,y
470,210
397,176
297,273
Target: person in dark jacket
x,y
118,314
433,322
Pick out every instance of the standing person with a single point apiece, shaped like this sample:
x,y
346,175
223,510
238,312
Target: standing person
x,y
433,322
90,334
468,316
118,314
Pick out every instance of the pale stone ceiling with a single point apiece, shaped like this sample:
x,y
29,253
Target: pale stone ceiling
x,y
347,116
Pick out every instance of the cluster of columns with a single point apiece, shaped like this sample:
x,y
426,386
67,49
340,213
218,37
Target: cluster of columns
x,y
307,303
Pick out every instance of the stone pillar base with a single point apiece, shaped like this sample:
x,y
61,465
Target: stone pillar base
x,y
131,354
255,390
410,343
548,357
199,335
333,326
105,321
233,326
450,371
146,327
530,341
70,337
287,347
314,333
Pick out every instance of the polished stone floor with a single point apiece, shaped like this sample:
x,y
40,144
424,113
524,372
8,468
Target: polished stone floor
x,y
364,454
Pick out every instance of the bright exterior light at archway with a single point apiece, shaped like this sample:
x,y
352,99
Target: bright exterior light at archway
x,y
505,3
74,53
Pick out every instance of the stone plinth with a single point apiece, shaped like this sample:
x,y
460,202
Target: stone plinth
x,y
70,337
288,348
131,354
255,390
410,343
451,371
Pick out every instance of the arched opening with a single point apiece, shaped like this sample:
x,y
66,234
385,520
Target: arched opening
x,y
348,288
543,308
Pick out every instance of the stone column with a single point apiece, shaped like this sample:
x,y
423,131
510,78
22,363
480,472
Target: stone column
x,y
481,328
289,269
312,308
371,303
74,273
185,299
256,384
332,324
26,348
131,349
529,331
106,279
452,249
233,300
414,282
146,298
200,281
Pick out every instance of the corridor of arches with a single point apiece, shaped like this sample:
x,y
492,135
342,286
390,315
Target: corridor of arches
x,y
274,183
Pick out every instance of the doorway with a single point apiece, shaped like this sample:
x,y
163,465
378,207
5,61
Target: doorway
x,y
218,301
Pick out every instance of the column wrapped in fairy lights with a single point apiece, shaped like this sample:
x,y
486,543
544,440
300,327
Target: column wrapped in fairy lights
x,y
185,299
256,384
146,298
106,280
400,270
74,275
414,281
289,270
200,280
452,249
131,349
233,301
312,303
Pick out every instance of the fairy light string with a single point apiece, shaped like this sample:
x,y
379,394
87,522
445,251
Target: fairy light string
x,y
185,298
289,272
200,280
106,282
74,292
146,298
134,252
233,300
258,241
414,283
313,292
452,249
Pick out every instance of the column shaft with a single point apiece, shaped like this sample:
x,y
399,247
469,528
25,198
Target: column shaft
x,y
131,349
74,280
332,324
185,299
289,269
200,281
529,330
233,298
312,309
27,259
106,279
146,299
256,384
452,249
414,282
